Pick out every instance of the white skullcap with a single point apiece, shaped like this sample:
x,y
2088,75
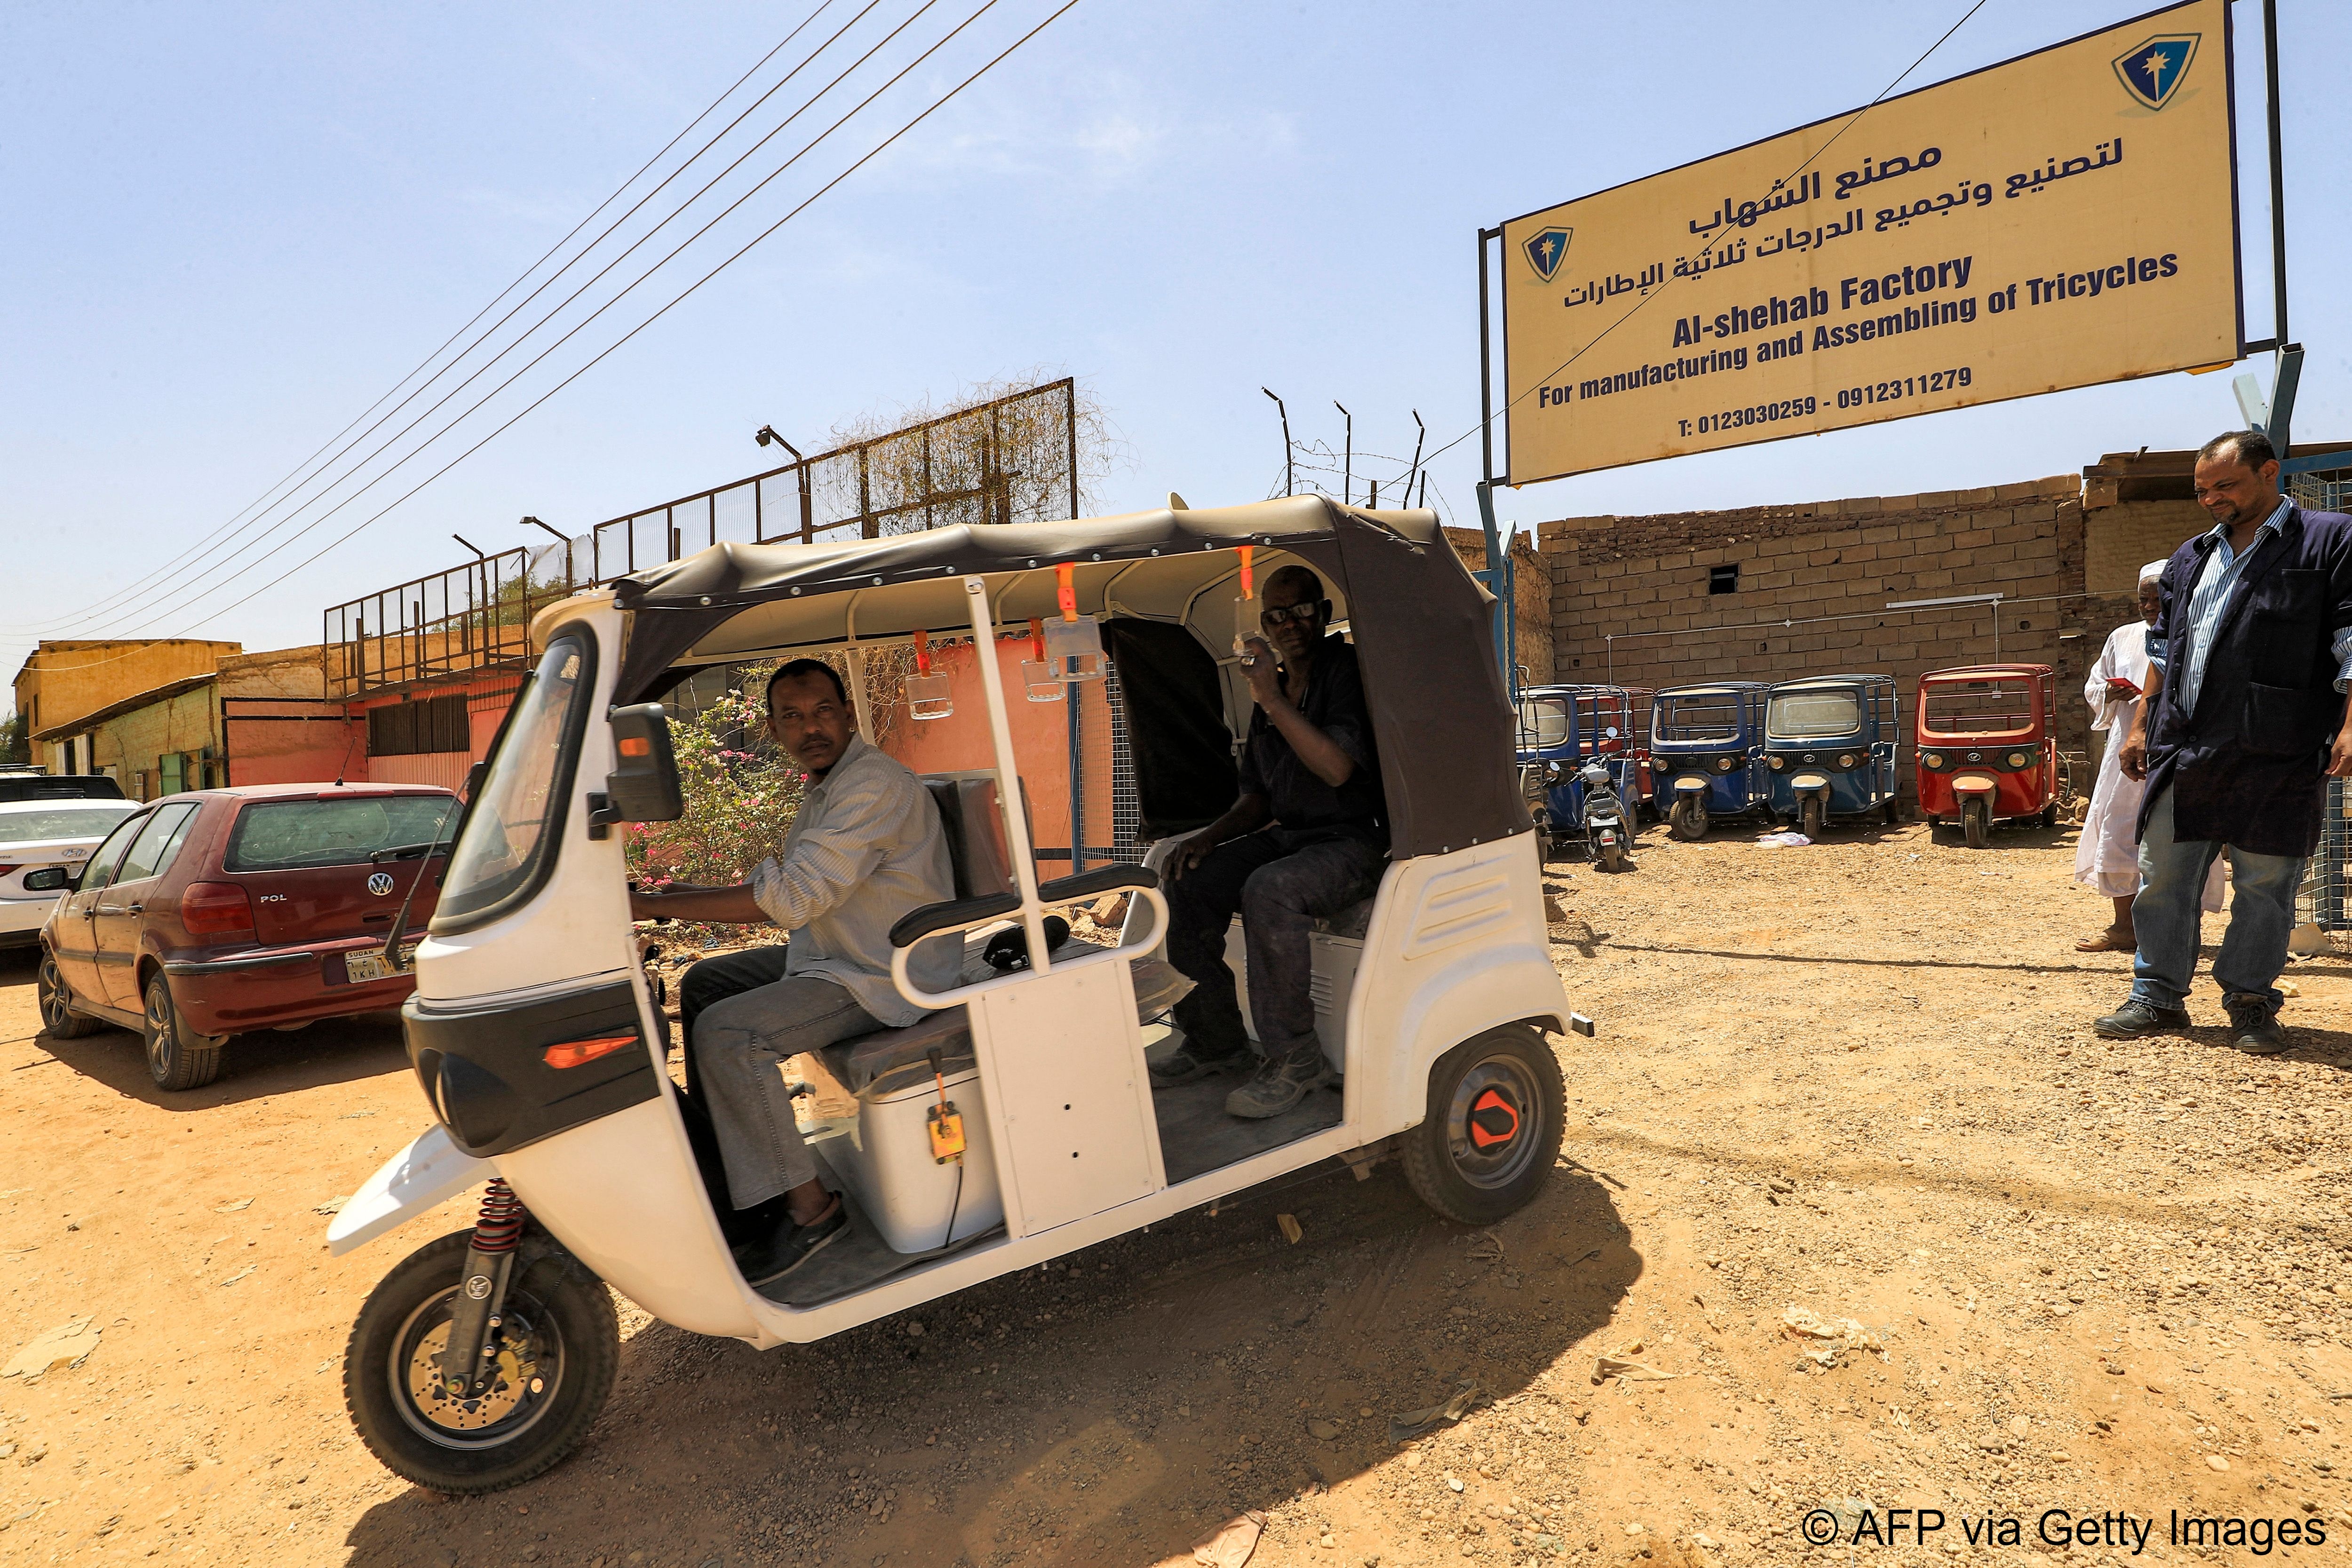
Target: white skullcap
x,y
2152,570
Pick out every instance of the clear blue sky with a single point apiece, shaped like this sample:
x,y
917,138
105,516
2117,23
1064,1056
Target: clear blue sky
x,y
232,227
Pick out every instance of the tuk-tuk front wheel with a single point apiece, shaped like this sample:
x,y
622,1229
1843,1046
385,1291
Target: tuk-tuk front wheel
x,y
1492,1129
1976,821
556,1351
1687,818
1809,813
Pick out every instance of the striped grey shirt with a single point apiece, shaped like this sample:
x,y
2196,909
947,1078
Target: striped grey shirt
x,y
866,847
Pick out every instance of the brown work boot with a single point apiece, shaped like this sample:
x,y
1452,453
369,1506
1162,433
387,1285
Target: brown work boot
x,y
1281,1083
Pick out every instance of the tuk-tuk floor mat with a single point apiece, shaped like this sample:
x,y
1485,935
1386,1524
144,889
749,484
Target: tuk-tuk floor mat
x,y
1198,1135
855,1259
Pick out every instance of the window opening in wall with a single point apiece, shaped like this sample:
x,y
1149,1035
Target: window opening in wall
x,y
1723,579
419,728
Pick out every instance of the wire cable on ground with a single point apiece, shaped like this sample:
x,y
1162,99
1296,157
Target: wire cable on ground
x,y
878,149
296,475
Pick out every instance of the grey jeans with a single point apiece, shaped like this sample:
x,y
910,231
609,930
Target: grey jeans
x,y
743,1021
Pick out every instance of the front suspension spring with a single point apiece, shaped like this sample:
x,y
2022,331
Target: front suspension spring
x,y
499,1227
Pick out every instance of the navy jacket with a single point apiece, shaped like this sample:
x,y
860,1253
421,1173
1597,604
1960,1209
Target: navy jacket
x,y
2249,766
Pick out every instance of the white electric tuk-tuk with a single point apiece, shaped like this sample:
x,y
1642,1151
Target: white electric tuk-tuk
x,y
483,1358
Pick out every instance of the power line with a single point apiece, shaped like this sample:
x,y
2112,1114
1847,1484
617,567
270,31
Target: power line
x,y
1633,310
592,317
877,150
354,468
230,528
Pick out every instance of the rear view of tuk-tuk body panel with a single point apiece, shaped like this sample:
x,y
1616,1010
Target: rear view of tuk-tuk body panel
x,y
1457,945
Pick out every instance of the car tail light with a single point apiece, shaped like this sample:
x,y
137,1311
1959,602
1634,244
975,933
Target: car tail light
x,y
7,870
216,908
578,1053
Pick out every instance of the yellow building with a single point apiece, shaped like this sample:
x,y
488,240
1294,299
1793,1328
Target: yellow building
x,y
186,733
62,682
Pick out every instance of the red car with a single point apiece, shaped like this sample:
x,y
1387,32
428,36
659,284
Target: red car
x,y
224,910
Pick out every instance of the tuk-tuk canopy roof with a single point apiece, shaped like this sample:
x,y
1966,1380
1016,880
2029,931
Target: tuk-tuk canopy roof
x,y
1988,672
1421,625
1707,688
1812,681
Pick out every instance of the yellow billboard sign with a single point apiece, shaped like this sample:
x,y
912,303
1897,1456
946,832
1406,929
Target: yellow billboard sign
x,y
2062,220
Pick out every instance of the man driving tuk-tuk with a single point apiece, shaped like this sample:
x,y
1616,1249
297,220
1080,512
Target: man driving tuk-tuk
x,y
1015,1119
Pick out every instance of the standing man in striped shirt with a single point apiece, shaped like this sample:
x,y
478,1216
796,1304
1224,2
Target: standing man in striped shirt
x,y
2242,724
865,849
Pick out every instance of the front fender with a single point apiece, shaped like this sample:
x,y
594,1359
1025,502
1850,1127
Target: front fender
x,y
425,1175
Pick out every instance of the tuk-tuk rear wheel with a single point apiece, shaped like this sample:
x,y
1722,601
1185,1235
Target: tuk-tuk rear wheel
x,y
559,1347
1492,1129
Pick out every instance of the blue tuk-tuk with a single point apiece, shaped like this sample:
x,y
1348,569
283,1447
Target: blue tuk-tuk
x,y
1829,744
1707,753
1561,728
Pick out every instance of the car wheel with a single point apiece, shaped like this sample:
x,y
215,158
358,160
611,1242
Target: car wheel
x,y
1492,1129
177,1058
557,1351
57,1017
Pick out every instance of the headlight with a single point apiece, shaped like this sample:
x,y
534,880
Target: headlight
x,y
2017,759
1724,764
1778,763
1845,759
1551,772
1932,759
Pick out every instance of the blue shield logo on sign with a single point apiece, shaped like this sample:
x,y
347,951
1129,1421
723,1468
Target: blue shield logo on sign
x,y
2151,70
1546,250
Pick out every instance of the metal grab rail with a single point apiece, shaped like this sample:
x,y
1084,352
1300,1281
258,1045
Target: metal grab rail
x,y
1130,946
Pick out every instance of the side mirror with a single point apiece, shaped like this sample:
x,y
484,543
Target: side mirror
x,y
643,784
48,879
473,784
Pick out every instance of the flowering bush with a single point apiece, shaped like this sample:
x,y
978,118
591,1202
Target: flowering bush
x,y
740,795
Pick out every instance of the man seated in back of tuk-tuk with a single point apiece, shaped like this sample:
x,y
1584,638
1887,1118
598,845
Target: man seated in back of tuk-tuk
x,y
866,847
1308,837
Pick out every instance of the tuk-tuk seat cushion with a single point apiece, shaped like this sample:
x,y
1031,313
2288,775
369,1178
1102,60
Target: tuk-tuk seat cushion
x,y
894,1059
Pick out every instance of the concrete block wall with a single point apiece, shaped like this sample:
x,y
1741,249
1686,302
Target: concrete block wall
x,y
2125,537
1630,603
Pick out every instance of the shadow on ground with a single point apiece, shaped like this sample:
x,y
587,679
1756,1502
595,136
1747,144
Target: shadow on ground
x,y
1111,1410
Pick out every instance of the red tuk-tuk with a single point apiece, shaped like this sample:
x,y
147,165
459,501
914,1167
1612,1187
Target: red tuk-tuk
x,y
1986,750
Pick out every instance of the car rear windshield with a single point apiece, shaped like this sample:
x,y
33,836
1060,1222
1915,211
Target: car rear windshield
x,y
290,835
61,822
1980,708
1806,715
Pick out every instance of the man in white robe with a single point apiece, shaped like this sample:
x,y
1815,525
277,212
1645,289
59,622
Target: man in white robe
x,y
2106,857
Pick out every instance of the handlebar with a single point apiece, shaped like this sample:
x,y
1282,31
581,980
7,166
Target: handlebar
x,y
963,914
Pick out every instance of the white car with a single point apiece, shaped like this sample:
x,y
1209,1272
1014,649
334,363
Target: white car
x,y
35,834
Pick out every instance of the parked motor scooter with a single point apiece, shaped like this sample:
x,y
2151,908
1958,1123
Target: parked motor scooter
x,y
1604,817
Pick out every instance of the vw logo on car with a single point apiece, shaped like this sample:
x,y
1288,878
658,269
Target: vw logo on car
x,y
380,884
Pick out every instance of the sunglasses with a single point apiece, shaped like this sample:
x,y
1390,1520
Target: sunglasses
x,y
1304,615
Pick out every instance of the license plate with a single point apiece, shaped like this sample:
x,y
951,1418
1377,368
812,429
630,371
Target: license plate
x,y
368,963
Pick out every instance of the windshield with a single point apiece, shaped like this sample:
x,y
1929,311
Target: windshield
x,y
61,822
1979,708
1698,717
1811,715
1543,723
510,838
294,834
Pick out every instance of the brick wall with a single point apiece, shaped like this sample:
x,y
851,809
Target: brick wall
x,y
2125,537
1630,602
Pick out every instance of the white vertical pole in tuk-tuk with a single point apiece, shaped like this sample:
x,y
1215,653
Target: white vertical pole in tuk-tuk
x,y
1008,774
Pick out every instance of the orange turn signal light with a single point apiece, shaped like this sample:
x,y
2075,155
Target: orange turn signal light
x,y
637,746
576,1053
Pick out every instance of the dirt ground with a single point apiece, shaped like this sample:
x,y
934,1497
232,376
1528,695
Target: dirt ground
x,y
1853,1079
